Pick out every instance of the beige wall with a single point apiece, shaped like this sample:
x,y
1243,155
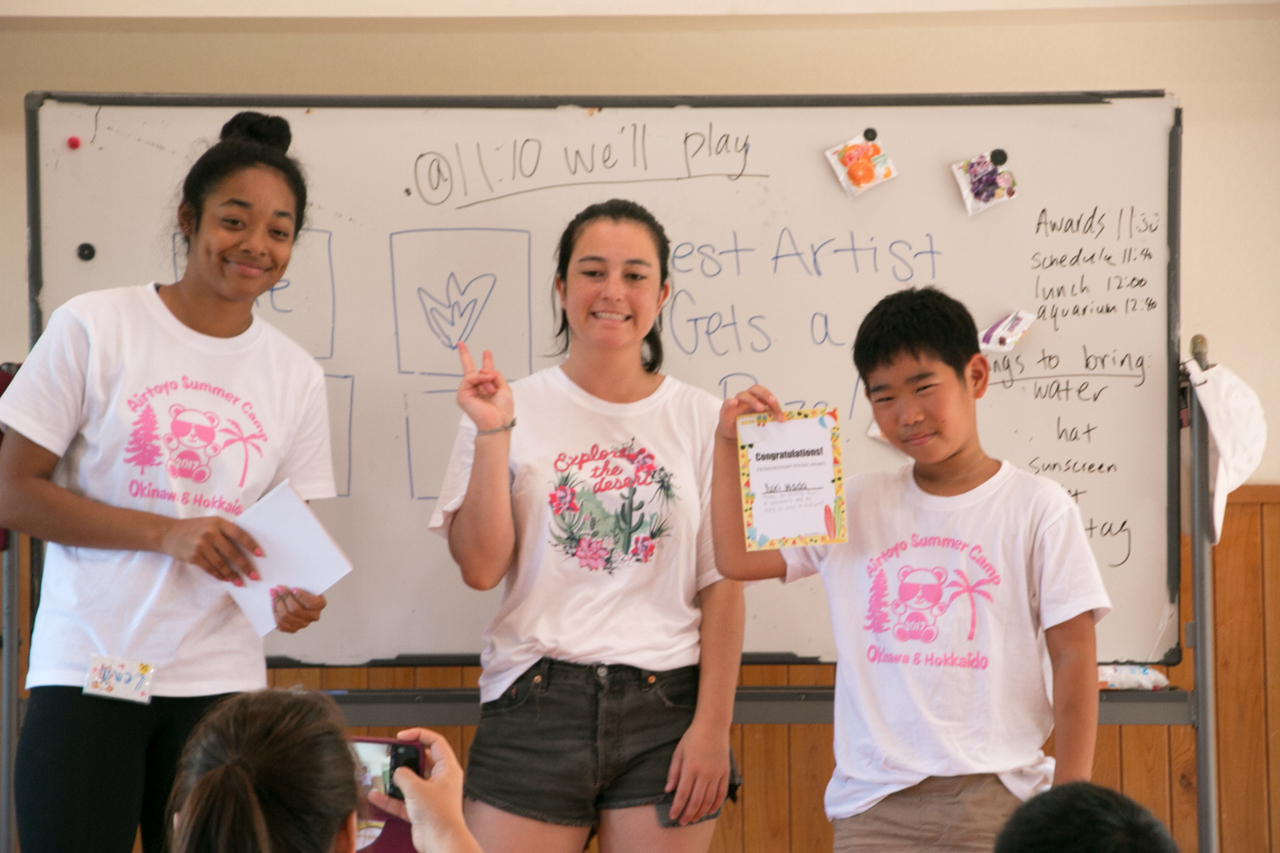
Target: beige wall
x,y
1224,62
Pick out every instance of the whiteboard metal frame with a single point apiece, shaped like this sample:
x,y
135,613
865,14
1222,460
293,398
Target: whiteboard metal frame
x,y
35,266
34,100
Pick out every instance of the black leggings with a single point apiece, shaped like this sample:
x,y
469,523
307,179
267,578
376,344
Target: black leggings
x,y
90,770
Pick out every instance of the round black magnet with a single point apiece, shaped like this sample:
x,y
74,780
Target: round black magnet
x,y
999,157
869,134
85,251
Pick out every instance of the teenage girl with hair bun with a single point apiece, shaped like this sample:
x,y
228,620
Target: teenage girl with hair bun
x,y
138,406
610,669
272,772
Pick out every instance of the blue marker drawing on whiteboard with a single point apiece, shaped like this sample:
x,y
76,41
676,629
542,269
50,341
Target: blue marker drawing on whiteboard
x,y
450,285
461,316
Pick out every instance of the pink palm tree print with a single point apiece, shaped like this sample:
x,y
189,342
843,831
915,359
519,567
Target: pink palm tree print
x,y
970,589
238,437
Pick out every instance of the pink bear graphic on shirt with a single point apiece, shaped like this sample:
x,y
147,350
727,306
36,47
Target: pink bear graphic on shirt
x,y
919,603
191,443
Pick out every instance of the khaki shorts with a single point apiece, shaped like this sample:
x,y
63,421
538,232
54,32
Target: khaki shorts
x,y
940,815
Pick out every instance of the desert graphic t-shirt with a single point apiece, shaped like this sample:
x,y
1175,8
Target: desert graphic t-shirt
x,y
150,415
938,606
613,529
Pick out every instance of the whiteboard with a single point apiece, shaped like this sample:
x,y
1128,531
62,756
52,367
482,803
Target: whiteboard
x,y
433,221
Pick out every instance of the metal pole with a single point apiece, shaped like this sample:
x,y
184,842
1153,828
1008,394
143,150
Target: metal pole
x,y
1202,579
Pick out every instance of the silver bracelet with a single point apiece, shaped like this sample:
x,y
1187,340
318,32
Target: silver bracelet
x,y
502,428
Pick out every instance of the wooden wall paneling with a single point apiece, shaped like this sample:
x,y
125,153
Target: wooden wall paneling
x,y
1241,707
1144,767
1271,647
1183,814
346,678
392,677
389,678
442,676
305,677
766,802
811,762
1106,758
1183,806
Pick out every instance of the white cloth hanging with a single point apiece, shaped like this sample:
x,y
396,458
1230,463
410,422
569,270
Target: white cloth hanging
x,y
1237,432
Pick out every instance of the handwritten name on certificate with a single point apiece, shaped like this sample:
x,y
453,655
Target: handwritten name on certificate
x,y
792,482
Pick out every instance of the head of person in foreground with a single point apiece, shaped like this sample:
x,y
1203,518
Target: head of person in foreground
x,y
1081,817
266,771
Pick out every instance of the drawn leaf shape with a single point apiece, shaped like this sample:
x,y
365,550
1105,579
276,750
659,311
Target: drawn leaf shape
x,y
453,318
830,519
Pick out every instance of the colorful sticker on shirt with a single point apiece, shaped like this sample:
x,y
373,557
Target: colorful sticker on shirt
x,y
199,427
610,508
912,597
982,181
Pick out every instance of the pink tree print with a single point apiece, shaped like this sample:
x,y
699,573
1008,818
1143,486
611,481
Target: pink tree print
x,y
970,589
144,442
878,605
238,437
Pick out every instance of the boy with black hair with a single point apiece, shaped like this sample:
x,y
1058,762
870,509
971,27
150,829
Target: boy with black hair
x,y
964,599
1083,818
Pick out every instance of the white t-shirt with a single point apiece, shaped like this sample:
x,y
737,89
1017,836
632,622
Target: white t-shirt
x,y
613,527
939,606
148,414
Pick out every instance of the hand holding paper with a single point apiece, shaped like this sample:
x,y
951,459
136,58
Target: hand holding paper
x,y
299,555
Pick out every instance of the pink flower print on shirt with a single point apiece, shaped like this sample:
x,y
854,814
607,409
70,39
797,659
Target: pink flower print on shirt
x,y
143,448
642,548
564,499
246,441
592,553
610,506
644,461
919,603
191,443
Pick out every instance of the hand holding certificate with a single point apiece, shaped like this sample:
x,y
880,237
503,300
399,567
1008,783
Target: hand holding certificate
x,y
792,481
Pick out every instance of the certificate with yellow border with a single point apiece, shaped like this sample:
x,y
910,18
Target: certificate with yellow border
x,y
792,481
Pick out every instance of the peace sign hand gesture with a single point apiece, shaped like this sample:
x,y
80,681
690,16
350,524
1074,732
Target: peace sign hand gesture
x,y
484,394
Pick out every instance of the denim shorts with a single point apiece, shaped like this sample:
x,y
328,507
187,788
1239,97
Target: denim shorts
x,y
567,740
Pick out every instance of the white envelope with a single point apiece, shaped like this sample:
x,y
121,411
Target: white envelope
x,y
299,554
